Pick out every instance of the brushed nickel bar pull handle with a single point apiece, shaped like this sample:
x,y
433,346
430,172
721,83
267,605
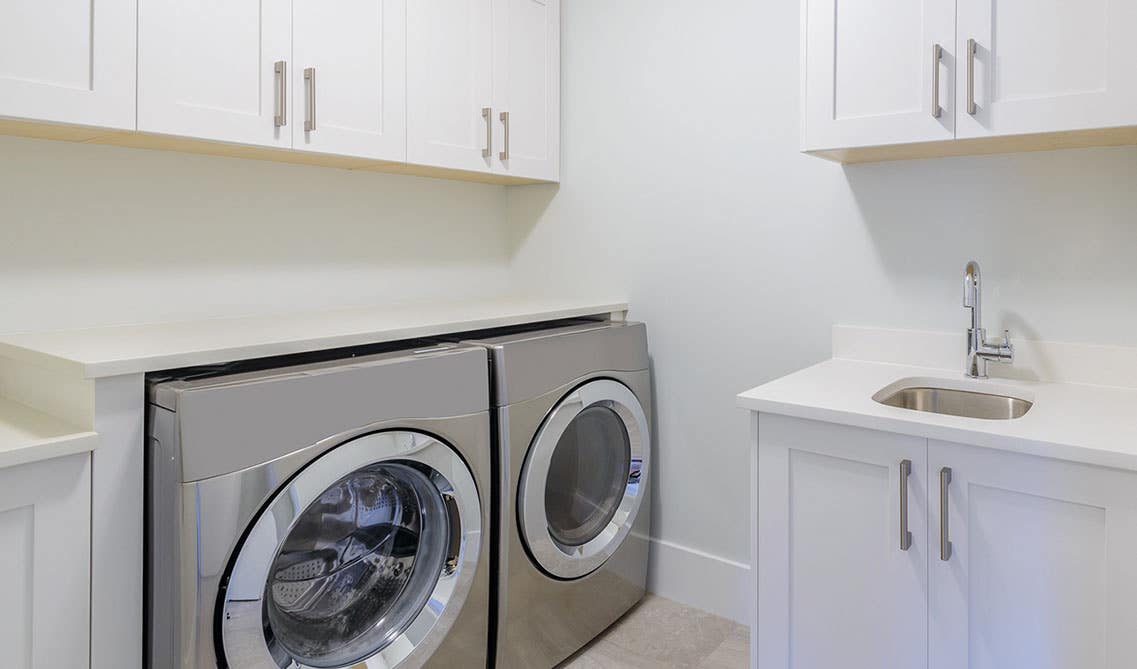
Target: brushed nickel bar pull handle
x,y
504,155
486,114
280,71
905,535
971,76
945,542
310,88
937,56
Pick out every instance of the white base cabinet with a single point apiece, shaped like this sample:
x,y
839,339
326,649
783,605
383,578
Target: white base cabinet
x,y
1014,560
45,563
1042,566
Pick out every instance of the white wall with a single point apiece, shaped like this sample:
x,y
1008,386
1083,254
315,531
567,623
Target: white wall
x,y
93,235
683,187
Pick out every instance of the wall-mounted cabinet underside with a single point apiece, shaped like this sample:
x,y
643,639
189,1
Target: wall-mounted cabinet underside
x,y
1043,141
145,140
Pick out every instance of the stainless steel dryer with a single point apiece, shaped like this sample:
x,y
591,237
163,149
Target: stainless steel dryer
x,y
573,412
330,514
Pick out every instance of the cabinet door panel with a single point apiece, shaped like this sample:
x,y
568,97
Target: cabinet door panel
x,y
526,80
868,72
68,61
358,49
835,589
206,68
1040,572
45,563
1047,66
449,53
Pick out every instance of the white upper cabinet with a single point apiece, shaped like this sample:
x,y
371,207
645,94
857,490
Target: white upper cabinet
x,y
871,73
450,115
206,68
68,61
876,72
1044,66
526,81
349,77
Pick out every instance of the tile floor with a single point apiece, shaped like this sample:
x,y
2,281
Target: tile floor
x,y
660,633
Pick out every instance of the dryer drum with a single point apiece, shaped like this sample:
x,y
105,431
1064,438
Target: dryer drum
x,y
335,592
360,560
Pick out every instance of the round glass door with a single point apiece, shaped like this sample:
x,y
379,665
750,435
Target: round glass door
x,y
355,568
583,479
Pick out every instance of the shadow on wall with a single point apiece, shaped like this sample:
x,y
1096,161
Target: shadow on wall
x,y
1054,232
95,235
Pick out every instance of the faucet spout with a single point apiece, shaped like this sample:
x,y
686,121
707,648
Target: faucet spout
x,y
979,350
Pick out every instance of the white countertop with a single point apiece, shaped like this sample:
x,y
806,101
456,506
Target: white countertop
x,y
132,349
1093,424
27,435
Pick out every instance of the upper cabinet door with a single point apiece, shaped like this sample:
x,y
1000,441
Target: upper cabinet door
x,y
526,79
1046,66
869,70
349,77
450,115
206,68
68,61
1040,571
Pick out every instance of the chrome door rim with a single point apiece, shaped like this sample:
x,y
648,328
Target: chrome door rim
x,y
560,560
241,620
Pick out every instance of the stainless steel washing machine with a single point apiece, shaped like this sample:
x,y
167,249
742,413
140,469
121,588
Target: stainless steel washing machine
x,y
328,514
574,448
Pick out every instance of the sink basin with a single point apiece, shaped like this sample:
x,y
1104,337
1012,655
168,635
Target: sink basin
x,y
919,395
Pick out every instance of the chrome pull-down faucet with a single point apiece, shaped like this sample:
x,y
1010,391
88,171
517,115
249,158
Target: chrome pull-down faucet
x,y
979,350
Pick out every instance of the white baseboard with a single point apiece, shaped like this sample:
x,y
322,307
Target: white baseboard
x,y
704,581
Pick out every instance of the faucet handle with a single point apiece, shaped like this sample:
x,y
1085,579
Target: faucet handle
x,y
1006,337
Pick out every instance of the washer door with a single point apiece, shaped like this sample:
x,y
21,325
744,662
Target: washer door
x,y
363,558
584,479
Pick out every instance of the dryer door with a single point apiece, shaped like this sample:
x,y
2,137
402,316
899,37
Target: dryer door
x,y
584,479
363,558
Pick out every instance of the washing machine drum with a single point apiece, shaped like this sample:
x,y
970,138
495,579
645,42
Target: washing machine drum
x,y
356,560
584,479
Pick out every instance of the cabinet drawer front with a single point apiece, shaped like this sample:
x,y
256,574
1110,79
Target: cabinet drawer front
x,y
1041,571
835,587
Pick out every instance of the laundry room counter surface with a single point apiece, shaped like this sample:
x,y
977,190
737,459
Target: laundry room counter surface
x,y
1089,420
28,435
132,349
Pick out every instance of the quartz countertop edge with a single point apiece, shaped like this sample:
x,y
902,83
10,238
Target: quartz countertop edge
x,y
1074,422
132,349
28,436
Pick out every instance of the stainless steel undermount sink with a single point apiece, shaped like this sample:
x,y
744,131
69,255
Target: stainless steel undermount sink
x,y
937,396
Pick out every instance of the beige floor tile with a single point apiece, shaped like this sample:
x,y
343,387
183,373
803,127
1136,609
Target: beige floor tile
x,y
733,653
665,634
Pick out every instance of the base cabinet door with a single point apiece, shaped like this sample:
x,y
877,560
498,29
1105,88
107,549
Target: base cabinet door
x,y
45,563
1033,563
349,77
1045,66
68,61
209,69
840,582
526,80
